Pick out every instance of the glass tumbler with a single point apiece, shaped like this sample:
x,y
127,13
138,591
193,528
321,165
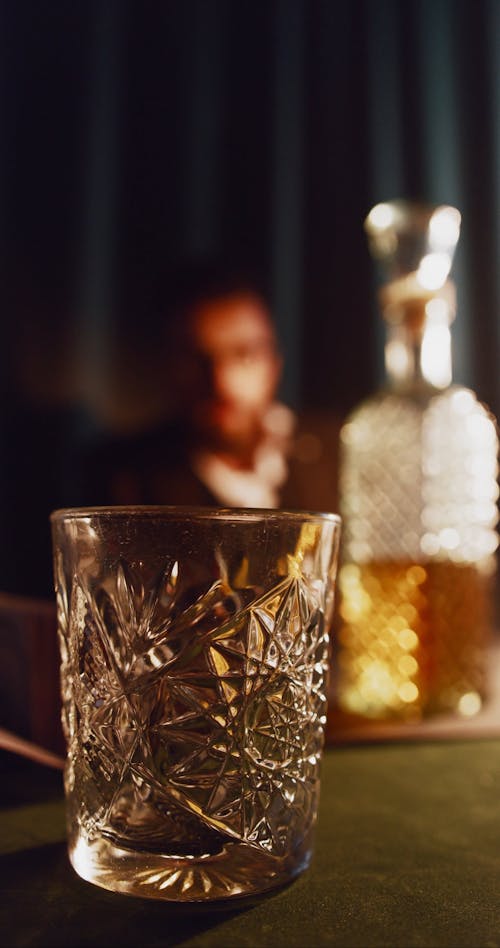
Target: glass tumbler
x,y
194,655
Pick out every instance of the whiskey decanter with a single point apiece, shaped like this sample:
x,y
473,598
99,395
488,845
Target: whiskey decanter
x,y
418,495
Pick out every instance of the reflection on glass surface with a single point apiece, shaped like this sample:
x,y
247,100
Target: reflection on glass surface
x,y
418,495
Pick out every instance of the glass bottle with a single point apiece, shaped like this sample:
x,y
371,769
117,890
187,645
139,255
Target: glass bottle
x,y
418,495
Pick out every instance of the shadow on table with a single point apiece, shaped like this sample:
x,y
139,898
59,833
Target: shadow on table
x,y
46,904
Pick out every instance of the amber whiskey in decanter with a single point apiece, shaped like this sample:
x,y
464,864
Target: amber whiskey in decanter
x,y
418,495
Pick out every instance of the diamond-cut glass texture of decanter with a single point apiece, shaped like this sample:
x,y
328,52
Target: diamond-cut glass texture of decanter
x,y
419,502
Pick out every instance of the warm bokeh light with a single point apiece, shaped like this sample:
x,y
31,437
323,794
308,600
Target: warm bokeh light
x,y
381,217
435,355
419,492
433,270
398,357
444,228
411,637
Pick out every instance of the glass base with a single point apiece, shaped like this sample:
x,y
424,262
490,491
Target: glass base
x,y
237,870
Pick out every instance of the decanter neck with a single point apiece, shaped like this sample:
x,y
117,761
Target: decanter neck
x,y
418,337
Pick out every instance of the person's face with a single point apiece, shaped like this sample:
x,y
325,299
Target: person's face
x,y
235,369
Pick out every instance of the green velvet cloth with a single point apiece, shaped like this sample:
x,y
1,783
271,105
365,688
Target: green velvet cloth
x,y
407,854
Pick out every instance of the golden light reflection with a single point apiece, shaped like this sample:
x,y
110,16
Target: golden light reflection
x,y
410,638
469,704
408,692
416,575
221,664
408,666
419,494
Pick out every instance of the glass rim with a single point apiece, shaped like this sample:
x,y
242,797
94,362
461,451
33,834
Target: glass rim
x,y
193,512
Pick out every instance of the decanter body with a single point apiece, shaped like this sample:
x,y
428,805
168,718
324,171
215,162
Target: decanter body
x,y
418,490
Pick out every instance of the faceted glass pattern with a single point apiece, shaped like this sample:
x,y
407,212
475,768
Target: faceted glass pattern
x,y
418,489
419,504
194,655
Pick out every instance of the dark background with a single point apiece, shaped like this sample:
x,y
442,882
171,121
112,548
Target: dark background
x,y
135,133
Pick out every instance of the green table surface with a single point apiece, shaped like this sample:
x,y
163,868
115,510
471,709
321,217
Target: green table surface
x,y
407,853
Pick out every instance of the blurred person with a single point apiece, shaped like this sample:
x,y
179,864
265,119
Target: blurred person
x,y
227,439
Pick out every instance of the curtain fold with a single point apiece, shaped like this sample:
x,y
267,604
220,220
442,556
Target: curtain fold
x,y
134,134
